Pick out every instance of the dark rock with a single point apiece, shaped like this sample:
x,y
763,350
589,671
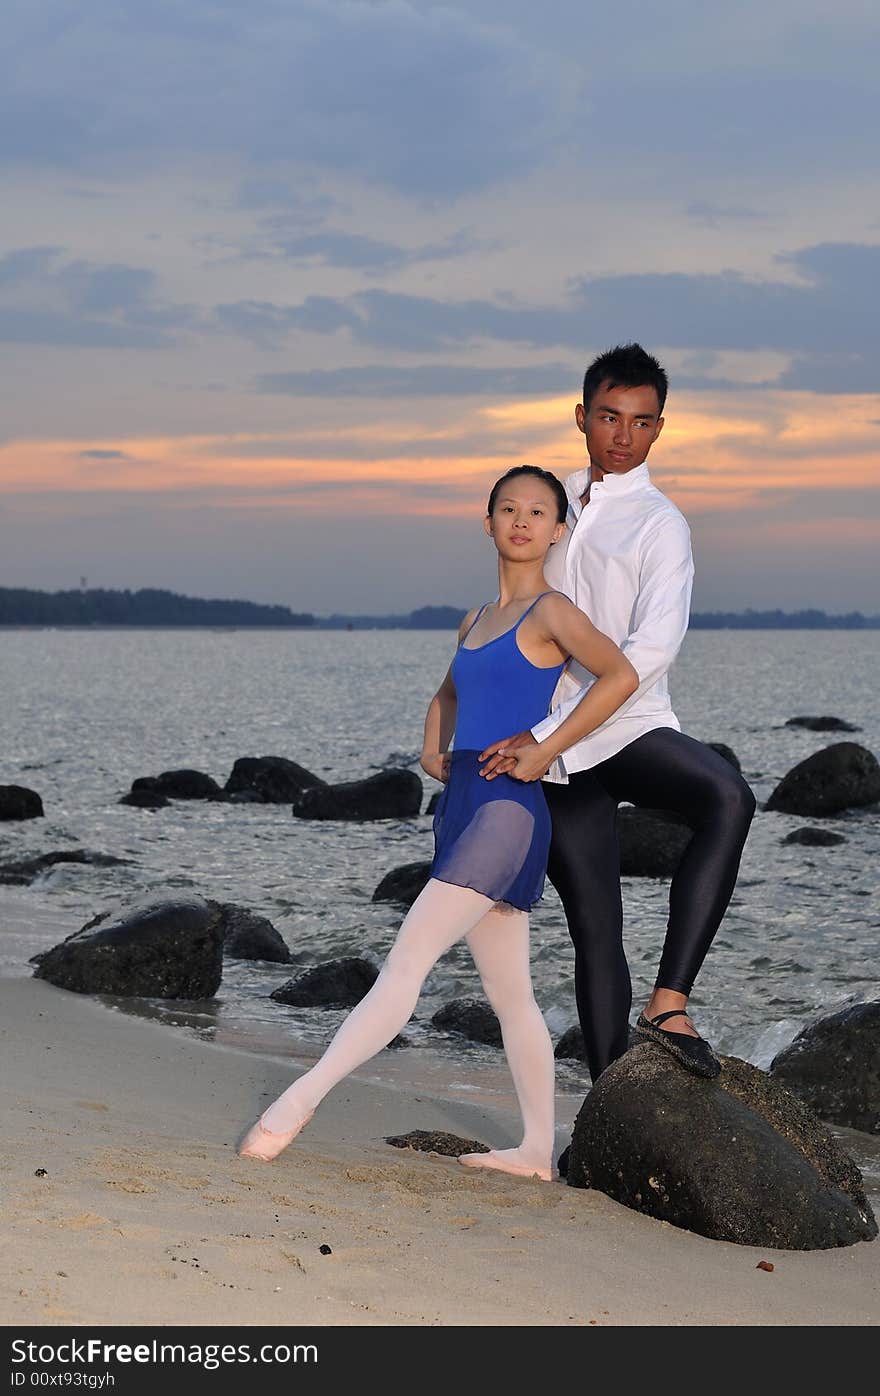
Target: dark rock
x,y
834,1065
145,799
335,984
17,802
434,801
471,1018
145,783
403,884
839,777
738,1159
189,785
395,794
246,797
822,724
26,869
571,1045
271,780
813,838
155,949
430,1141
727,753
651,842
247,936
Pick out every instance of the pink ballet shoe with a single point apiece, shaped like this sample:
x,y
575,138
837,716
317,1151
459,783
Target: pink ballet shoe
x,y
502,1165
261,1143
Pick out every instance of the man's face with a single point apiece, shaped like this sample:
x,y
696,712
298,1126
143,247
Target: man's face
x,y
620,427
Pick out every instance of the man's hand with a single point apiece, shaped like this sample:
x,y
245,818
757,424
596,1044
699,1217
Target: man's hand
x,y
500,759
531,762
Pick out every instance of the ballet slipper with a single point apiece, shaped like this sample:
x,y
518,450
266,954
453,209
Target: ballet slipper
x,y
261,1143
496,1160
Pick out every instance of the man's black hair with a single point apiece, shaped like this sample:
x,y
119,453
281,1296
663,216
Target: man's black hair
x,y
546,475
625,366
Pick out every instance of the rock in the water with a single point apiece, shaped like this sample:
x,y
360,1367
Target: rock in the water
x,y
728,754
145,799
430,1141
335,984
814,838
822,724
17,802
181,785
471,1018
247,936
26,869
834,1065
434,801
269,780
394,794
155,949
651,842
403,884
737,1159
570,1046
842,776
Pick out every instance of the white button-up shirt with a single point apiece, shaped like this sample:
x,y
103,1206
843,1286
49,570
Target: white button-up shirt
x,y
625,560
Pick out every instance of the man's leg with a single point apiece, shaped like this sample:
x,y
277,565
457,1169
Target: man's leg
x,y
584,867
665,769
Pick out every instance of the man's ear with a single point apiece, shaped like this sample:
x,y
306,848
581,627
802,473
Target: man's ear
x,y
580,417
659,428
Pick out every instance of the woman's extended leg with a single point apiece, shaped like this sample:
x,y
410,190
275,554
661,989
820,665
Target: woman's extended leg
x,y
441,915
500,947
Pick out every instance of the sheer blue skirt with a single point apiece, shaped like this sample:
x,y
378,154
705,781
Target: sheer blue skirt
x,y
491,835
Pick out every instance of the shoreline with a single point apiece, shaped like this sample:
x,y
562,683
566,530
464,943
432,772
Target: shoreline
x,y
146,1213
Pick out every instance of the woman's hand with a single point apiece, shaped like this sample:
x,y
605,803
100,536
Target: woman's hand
x,y
436,764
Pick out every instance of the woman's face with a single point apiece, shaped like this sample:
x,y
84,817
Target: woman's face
x,y
524,522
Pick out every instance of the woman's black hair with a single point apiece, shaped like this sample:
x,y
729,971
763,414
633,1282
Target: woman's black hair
x,y
546,475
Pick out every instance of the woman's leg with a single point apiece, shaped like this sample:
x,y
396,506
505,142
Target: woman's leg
x,y
500,947
441,915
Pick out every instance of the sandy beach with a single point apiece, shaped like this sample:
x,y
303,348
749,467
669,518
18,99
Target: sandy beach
x,y
146,1215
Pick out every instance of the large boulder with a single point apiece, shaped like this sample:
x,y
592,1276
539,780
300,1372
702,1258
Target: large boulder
x,y
17,802
403,884
154,949
247,936
469,1018
834,1065
813,838
736,1159
335,984
268,780
394,794
652,841
143,798
26,869
840,777
181,785
823,724
571,1045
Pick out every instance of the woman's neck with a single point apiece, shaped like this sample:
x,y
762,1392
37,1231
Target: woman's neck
x,y
519,581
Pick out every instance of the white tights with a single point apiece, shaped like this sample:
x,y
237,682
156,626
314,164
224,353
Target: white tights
x,y
499,943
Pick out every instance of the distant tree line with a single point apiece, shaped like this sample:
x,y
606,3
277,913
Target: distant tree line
x,y
167,608
146,607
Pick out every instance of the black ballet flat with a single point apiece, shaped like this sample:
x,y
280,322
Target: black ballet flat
x,y
693,1053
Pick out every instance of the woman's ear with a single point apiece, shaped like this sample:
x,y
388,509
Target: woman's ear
x,y
487,525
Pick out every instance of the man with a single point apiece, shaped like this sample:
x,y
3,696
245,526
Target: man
x,y
626,561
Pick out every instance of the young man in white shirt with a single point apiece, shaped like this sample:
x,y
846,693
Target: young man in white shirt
x,y
626,561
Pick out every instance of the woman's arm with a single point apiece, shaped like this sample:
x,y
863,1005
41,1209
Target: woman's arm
x,y
616,680
441,717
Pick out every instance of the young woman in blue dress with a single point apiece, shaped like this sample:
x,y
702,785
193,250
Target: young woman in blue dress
x,y
491,836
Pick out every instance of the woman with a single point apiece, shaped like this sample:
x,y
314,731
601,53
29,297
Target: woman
x,y
491,836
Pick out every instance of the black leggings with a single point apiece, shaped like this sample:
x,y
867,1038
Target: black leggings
x,y
664,769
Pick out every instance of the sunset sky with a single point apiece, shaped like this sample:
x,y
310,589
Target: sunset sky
x,y
284,286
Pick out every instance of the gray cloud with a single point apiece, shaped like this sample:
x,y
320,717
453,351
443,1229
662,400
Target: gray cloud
x,y
44,300
104,455
714,215
355,250
423,380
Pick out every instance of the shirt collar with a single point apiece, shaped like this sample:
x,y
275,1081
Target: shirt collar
x,y
611,485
